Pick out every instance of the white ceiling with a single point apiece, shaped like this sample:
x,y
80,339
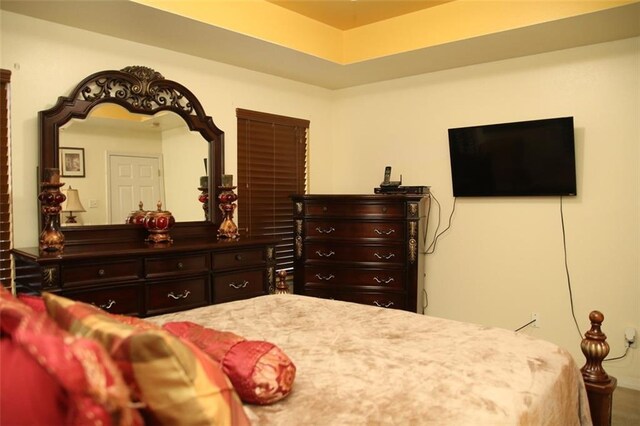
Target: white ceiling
x,y
151,26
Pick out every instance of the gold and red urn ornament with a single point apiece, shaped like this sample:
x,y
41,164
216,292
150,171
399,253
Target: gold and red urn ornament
x,y
158,223
51,238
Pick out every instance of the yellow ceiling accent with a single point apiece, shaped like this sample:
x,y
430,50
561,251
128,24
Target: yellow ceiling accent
x,y
430,25
348,14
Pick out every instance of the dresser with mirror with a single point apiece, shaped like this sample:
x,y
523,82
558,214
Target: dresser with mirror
x,y
144,140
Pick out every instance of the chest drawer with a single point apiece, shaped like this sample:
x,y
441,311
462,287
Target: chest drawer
x,y
388,255
345,229
238,259
330,275
236,286
162,266
124,300
177,295
383,300
102,272
358,210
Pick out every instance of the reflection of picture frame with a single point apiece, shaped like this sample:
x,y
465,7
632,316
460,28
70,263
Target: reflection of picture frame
x,y
72,162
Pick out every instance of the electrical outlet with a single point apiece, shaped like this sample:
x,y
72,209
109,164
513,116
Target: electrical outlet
x,y
630,336
535,317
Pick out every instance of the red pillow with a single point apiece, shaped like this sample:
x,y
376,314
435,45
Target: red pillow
x,y
35,302
260,372
83,375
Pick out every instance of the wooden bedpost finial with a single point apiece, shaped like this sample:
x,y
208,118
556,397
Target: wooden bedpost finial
x,y
595,349
281,285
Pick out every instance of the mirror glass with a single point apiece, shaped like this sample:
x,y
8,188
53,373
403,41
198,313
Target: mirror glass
x,y
132,158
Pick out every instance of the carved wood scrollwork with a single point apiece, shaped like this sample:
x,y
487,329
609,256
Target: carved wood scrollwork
x,y
49,277
298,207
413,209
298,238
413,243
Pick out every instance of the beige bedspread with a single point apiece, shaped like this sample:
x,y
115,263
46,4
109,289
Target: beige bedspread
x,y
361,365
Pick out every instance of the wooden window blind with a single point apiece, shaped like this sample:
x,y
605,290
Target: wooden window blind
x,y
272,153
5,182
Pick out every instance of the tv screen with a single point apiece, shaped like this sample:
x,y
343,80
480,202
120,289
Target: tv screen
x,y
514,159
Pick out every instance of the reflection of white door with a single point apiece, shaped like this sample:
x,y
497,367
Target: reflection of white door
x,y
132,179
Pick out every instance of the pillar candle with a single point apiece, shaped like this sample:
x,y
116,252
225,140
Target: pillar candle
x,y
227,181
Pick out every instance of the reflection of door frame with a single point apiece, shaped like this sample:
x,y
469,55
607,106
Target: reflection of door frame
x,y
138,155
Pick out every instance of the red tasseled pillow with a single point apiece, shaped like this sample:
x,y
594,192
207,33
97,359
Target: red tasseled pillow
x,y
260,372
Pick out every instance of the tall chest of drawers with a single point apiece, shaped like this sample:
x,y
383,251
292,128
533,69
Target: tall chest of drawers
x,y
360,248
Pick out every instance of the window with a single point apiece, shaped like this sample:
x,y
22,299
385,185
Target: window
x,y
272,151
5,182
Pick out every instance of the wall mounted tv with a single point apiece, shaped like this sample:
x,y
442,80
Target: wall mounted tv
x,y
526,158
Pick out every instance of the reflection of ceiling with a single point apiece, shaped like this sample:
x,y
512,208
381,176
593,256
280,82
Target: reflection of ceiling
x,y
114,117
263,36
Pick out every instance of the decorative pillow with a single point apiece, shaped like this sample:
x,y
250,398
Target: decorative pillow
x,y
260,372
51,365
35,302
177,383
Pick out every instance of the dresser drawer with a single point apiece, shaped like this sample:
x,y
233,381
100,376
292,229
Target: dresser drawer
x,y
240,285
97,273
124,300
383,300
163,266
238,259
177,295
384,278
346,229
388,255
355,209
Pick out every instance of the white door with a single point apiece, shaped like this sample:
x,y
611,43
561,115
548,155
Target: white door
x,y
133,179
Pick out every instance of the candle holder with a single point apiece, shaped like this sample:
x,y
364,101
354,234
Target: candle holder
x,y
51,238
227,198
204,199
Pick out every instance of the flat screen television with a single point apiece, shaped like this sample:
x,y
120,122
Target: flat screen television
x,y
526,158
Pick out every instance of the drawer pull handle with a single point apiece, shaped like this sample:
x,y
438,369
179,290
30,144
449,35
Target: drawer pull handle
x,y
183,295
389,232
324,208
180,266
108,305
239,286
383,281
325,277
384,209
385,257
325,230
101,272
324,254
239,257
383,305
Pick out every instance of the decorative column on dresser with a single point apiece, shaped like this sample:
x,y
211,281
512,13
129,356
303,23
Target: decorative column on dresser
x,y
361,248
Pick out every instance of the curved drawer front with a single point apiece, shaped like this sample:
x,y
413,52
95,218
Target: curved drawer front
x,y
383,300
239,259
125,300
385,278
355,209
344,229
237,286
387,255
176,295
96,273
161,266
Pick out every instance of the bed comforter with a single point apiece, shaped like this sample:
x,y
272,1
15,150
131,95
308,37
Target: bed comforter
x,y
359,365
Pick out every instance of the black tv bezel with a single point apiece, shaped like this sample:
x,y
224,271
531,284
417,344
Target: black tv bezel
x,y
517,193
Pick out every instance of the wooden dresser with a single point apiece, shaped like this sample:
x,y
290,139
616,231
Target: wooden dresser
x,y
143,280
360,248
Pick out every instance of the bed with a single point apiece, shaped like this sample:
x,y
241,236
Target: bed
x,y
365,365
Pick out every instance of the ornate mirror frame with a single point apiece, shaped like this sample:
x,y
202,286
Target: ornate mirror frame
x,y
140,90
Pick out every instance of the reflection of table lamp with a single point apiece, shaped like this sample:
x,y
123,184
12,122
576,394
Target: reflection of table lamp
x,y
72,204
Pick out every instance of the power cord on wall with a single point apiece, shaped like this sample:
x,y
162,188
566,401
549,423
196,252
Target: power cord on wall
x,y
566,268
432,247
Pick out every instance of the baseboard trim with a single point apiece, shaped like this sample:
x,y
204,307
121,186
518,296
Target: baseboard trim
x,y
629,383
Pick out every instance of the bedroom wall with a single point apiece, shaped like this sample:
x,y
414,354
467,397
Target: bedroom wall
x,y
502,258
47,60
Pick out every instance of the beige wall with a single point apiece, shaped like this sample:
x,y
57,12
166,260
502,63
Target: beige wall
x,y
502,258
